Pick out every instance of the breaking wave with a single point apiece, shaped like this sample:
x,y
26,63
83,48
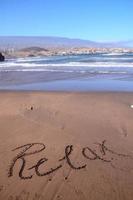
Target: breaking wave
x,y
101,63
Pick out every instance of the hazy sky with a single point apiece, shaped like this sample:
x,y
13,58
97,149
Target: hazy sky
x,y
100,20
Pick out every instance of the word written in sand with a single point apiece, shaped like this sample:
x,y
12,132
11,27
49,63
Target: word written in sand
x,y
101,153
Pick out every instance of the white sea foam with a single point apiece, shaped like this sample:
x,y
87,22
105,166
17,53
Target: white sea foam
x,y
65,71
30,59
69,64
115,54
104,63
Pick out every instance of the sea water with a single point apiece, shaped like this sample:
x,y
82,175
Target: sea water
x,y
83,72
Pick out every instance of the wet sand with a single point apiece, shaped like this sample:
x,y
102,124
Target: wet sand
x,y
69,146
65,81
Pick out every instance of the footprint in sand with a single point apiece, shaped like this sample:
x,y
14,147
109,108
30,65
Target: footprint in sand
x,y
1,187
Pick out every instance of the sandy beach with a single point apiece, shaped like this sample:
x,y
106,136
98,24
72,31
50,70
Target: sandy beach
x,y
69,146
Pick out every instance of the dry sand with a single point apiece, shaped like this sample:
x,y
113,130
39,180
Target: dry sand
x,y
72,146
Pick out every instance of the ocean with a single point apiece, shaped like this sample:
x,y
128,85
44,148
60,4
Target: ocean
x,y
82,72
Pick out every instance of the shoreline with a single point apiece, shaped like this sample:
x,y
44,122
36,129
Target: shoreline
x,y
70,85
64,92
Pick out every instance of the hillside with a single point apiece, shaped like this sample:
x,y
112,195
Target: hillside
x,y
19,42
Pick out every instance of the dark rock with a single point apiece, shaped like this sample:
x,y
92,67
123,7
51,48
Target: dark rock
x,y
31,108
31,55
2,58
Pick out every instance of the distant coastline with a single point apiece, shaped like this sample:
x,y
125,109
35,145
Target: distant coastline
x,y
35,51
18,46
18,42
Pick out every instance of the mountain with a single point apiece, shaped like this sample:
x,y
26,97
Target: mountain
x,y
128,43
19,42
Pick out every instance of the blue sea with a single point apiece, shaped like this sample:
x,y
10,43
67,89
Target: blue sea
x,y
82,72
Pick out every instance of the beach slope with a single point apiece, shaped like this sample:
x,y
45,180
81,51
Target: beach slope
x,y
69,146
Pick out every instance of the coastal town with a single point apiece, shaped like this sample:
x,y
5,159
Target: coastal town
x,y
39,51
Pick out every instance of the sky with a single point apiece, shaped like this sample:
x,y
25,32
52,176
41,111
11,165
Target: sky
x,y
97,20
